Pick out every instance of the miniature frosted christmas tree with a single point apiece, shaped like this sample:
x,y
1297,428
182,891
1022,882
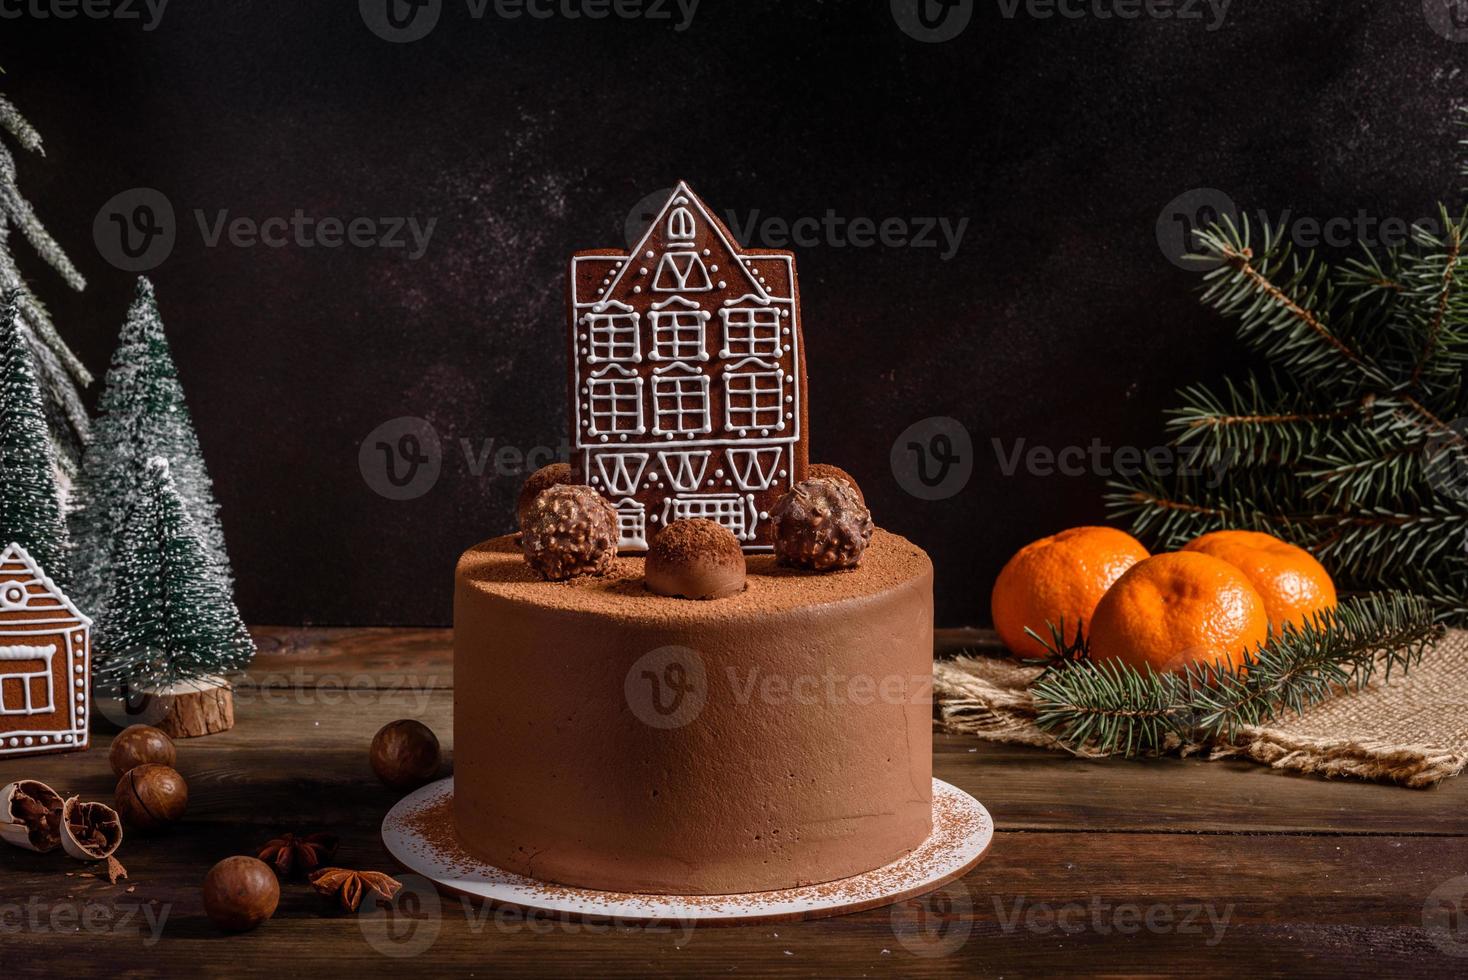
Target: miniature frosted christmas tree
x,y
30,503
60,374
170,624
141,414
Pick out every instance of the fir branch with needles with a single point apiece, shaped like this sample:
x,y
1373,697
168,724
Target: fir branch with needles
x,y
1354,443
1112,708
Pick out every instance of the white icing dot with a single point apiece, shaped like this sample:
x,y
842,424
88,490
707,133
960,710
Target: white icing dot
x,y
649,253
642,271
706,253
603,438
764,515
723,284
637,289
714,267
29,740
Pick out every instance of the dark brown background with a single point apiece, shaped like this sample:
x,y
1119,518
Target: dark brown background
x,y
1059,321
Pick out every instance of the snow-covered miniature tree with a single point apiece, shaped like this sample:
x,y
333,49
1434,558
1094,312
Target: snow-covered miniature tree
x,y
141,414
170,617
60,373
30,503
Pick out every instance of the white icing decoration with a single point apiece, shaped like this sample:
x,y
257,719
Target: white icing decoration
x,y
44,650
621,471
680,400
685,470
648,410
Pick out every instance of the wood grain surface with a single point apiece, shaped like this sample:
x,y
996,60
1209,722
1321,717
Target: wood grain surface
x,y
1158,867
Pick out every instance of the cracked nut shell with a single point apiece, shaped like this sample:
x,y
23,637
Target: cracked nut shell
x,y
30,816
89,831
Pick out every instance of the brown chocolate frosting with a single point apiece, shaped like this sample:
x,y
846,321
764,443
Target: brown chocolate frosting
x,y
607,737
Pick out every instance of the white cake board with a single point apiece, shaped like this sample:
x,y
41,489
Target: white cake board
x,y
962,833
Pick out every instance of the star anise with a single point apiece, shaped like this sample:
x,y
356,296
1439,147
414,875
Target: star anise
x,y
290,853
350,886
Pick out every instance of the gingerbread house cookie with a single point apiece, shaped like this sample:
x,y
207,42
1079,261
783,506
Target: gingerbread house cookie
x,y
45,661
687,380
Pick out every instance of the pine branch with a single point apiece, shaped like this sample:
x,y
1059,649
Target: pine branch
x,y
1113,708
16,125
1254,423
1283,304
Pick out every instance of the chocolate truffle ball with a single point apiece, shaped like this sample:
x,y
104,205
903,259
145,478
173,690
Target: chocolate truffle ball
x,y
540,481
695,559
821,525
825,471
569,530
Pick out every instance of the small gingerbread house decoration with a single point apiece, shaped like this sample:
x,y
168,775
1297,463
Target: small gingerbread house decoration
x,y
687,381
45,662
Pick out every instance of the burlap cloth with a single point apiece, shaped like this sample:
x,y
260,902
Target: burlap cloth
x,y
1411,730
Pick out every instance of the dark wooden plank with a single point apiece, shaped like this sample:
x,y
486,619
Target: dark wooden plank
x,y
1316,878
1070,903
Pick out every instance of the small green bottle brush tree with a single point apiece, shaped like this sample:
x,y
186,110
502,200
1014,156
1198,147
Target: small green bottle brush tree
x,y
1352,444
170,616
31,513
60,374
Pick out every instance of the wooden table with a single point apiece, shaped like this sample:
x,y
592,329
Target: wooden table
x,y
1112,867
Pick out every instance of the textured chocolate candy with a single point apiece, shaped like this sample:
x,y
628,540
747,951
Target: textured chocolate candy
x,y
825,471
695,559
569,530
821,525
540,481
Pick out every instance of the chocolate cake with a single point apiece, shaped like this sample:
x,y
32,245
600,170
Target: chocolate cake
x,y
611,738
748,708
